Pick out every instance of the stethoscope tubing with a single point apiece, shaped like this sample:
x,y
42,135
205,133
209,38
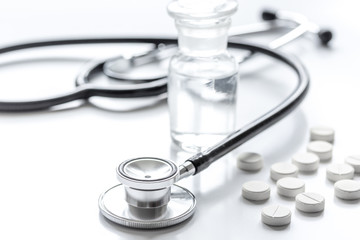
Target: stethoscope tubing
x,y
85,89
205,158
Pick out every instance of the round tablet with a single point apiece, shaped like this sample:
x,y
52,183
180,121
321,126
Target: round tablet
x,y
283,169
290,186
306,162
310,202
322,149
249,161
276,215
339,171
256,190
354,161
322,133
347,189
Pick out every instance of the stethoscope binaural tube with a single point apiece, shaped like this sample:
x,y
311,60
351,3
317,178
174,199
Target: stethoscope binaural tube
x,y
85,89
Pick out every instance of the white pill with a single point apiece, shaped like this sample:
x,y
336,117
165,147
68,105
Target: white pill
x,y
290,187
322,133
250,161
310,202
306,162
322,149
339,171
256,190
283,169
347,189
354,161
276,215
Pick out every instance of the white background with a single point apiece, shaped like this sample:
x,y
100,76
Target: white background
x,y
54,165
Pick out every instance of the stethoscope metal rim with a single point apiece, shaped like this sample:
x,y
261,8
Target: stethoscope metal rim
x,y
151,182
181,207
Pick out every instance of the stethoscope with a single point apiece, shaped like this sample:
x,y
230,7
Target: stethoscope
x,y
147,196
155,85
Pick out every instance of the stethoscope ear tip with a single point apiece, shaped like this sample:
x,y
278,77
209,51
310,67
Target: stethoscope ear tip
x,y
325,36
268,15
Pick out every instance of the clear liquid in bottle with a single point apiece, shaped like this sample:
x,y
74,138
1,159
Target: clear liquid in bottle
x,y
203,76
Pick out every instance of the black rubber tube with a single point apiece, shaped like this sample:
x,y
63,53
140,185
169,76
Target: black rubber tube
x,y
85,91
205,158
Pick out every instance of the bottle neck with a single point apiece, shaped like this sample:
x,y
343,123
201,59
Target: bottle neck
x,y
203,38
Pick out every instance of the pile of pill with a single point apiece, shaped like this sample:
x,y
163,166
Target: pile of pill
x,y
288,185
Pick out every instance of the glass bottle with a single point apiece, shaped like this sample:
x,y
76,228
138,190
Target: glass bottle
x,y
203,76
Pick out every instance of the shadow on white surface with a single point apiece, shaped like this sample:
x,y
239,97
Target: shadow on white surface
x,y
250,202
277,228
309,216
345,203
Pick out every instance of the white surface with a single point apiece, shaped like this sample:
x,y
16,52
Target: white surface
x,y
250,161
290,186
256,190
54,165
310,202
306,162
276,215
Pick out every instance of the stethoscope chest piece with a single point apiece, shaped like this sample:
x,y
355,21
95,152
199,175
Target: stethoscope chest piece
x,y
147,197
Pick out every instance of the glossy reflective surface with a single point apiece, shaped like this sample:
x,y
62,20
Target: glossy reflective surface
x,y
148,169
113,206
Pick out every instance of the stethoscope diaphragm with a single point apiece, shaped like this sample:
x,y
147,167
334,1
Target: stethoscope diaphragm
x,y
114,207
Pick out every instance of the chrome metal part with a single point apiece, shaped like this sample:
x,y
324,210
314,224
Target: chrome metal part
x,y
147,173
147,184
186,169
147,199
114,207
123,68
